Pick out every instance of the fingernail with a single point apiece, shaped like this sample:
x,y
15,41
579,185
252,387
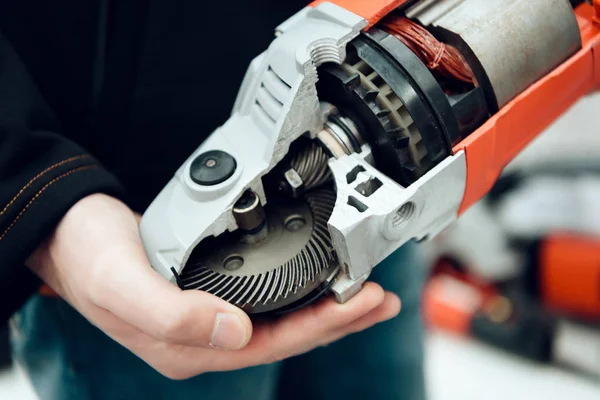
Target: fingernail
x,y
229,332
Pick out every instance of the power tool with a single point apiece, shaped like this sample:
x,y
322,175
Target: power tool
x,y
364,125
558,325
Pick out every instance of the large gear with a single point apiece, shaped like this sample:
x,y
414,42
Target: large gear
x,y
296,257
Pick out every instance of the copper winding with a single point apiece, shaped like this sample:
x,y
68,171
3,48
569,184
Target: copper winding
x,y
439,57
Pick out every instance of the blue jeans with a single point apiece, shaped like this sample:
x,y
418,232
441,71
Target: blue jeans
x,y
69,359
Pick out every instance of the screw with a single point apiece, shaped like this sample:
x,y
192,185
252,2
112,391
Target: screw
x,y
233,262
294,223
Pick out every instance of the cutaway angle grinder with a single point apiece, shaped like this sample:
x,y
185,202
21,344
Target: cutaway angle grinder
x,y
363,126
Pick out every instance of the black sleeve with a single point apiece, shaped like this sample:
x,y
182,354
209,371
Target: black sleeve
x,y
42,174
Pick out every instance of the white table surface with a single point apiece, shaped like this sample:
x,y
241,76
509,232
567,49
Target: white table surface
x,y
461,369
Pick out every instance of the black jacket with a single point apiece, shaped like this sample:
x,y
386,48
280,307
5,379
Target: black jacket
x,y
109,96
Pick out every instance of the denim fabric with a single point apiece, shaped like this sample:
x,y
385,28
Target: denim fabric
x,y
69,359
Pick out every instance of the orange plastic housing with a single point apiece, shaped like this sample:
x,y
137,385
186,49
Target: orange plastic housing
x,y
569,275
371,10
490,148
449,304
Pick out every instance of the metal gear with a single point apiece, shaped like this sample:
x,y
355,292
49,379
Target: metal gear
x,y
311,165
295,258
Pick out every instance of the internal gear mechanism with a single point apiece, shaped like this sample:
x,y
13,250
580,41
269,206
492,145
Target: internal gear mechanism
x,y
292,261
282,254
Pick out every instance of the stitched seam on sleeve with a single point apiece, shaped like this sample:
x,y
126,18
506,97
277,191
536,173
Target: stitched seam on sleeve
x,y
53,181
38,176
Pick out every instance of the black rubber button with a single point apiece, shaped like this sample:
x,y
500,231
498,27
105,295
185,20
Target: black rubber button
x,y
212,168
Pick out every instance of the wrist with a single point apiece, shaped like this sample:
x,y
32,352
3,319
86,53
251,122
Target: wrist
x,y
62,242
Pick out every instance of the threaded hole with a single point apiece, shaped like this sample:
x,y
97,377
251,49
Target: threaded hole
x,y
404,214
325,51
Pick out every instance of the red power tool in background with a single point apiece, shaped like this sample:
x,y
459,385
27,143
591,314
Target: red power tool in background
x,y
546,305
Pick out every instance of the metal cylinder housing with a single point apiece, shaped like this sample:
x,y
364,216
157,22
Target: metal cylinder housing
x,y
509,44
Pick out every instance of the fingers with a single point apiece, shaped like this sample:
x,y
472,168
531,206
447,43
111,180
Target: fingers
x,y
303,330
130,289
163,357
296,334
388,309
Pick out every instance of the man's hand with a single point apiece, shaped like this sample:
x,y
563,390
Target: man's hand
x,y
95,260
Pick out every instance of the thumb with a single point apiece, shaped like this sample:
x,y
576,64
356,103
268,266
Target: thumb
x,y
96,257
141,297
227,331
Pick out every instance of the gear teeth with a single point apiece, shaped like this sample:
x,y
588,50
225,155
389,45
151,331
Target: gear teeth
x,y
265,289
391,112
353,81
371,95
394,133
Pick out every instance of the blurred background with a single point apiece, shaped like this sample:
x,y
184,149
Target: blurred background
x,y
512,303
513,298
